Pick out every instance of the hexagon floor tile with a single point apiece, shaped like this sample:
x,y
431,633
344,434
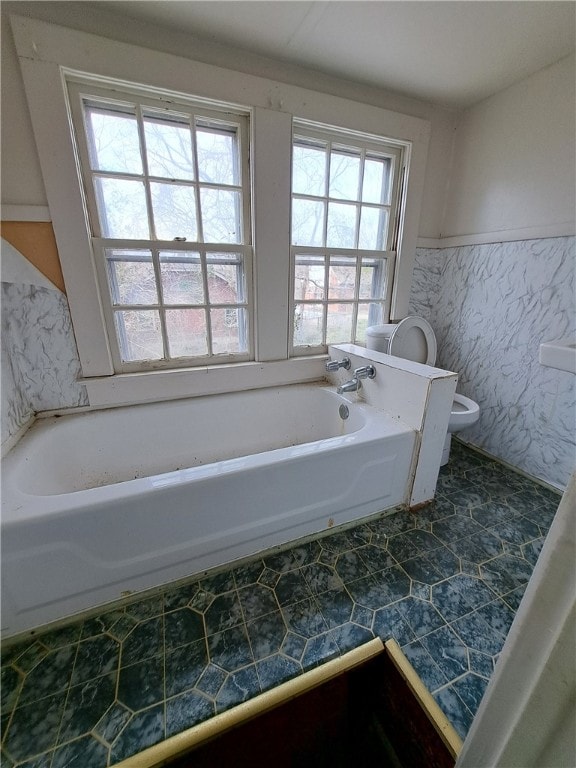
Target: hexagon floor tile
x,y
445,583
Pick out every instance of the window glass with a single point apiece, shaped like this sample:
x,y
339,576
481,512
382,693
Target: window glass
x,y
344,174
309,170
341,201
131,275
113,141
122,208
168,148
308,324
182,277
139,334
307,222
163,176
341,231
217,155
174,210
220,216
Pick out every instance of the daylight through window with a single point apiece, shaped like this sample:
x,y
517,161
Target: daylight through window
x,y
344,198
168,204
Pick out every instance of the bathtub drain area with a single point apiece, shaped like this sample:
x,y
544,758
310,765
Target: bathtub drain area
x,y
444,583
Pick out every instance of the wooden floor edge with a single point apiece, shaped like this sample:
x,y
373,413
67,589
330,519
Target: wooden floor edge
x,y
438,719
174,746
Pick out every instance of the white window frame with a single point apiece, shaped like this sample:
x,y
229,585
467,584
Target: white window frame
x,y
47,53
80,90
332,136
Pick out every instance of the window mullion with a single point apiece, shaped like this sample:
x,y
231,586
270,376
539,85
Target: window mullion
x,y
199,224
327,193
326,292
206,300
359,196
147,190
161,308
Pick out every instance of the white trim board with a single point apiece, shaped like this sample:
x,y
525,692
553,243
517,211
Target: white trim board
x,y
26,213
564,229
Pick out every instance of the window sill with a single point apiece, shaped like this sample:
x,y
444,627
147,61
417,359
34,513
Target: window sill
x,y
152,386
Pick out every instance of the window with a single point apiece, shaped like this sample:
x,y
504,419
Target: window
x,y
142,298
167,197
345,192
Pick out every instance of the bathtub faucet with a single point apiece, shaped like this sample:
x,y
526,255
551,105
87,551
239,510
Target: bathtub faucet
x,y
355,383
334,365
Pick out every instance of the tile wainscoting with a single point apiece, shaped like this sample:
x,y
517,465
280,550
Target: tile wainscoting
x,y
40,364
491,307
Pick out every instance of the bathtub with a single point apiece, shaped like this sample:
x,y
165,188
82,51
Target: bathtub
x,y
104,503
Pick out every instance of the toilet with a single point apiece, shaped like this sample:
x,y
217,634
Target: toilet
x,y
413,339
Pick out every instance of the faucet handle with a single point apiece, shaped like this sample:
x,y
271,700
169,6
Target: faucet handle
x,y
334,365
365,372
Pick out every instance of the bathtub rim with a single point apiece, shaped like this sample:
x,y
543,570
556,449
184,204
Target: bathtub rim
x,y
20,505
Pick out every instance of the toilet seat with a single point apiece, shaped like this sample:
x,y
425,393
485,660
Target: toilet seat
x,y
413,339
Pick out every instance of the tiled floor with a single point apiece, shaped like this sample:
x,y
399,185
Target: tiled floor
x,y
445,583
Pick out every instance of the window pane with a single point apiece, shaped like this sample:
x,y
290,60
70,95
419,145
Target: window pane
x,y
113,142
339,324
174,209
217,156
344,174
368,314
139,335
122,208
341,278
186,329
309,170
307,222
309,277
131,277
373,229
225,279
181,278
375,184
372,279
228,331
308,321
221,216
168,148
341,225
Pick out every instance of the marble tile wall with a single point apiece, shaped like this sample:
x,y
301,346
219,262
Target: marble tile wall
x,y
491,307
40,364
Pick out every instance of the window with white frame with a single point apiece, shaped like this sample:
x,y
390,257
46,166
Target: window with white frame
x,y
167,196
345,195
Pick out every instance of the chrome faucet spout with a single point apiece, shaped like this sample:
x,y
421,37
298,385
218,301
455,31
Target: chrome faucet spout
x,y
349,386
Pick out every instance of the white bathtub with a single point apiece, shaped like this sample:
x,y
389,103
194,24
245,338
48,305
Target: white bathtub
x,y
100,503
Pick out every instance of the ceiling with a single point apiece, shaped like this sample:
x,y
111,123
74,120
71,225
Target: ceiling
x,y
452,53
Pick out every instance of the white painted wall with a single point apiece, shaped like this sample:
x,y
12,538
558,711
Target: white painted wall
x,y
20,168
514,160
21,176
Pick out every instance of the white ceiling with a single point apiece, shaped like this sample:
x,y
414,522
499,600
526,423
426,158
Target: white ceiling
x,y
452,53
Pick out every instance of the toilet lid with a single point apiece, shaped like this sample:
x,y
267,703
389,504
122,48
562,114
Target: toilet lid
x,y
414,339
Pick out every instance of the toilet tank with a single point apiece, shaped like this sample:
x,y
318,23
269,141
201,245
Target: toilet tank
x,y
378,337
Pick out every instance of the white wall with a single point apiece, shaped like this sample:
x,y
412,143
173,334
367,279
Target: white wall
x,y
20,169
514,160
21,177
